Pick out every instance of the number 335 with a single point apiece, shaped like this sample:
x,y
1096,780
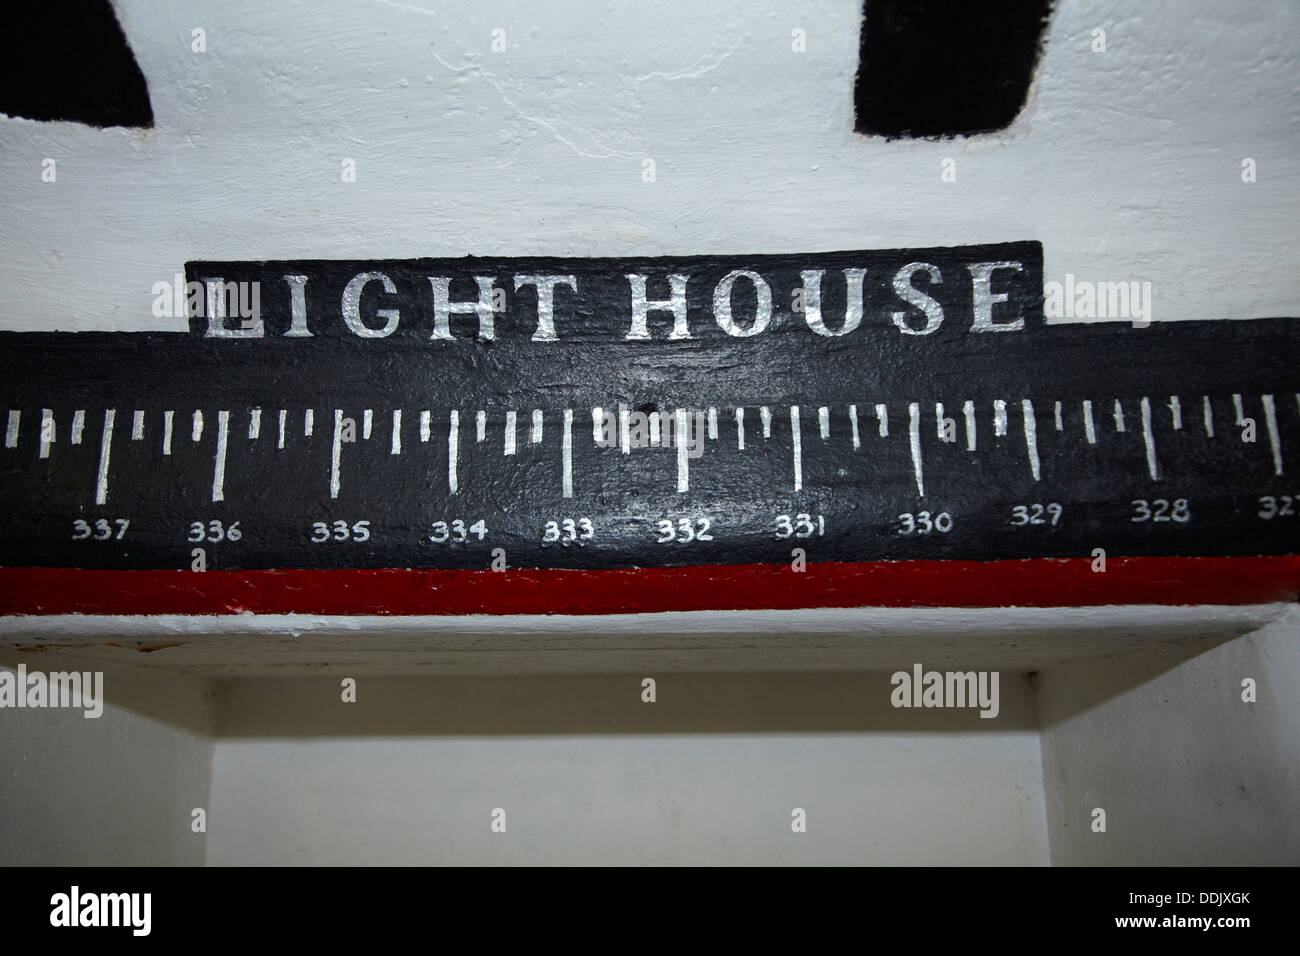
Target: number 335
x,y
339,531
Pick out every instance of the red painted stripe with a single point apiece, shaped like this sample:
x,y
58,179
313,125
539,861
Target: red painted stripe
x,y
1040,582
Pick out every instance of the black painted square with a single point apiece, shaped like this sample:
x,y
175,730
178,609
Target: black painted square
x,y
933,68
71,61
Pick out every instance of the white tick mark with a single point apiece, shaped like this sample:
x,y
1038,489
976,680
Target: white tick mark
x,y
566,455
47,431
105,447
453,450
335,452
1031,436
1274,439
219,469
511,424
683,461
1148,439
798,447
914,439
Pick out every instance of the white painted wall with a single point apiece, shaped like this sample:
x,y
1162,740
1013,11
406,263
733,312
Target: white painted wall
x,y
589,774
1187,772
1126,165
935,799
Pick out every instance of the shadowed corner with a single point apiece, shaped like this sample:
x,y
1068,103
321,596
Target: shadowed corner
x,y
71,62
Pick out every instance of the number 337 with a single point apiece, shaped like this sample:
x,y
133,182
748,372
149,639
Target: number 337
x,y
101,531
